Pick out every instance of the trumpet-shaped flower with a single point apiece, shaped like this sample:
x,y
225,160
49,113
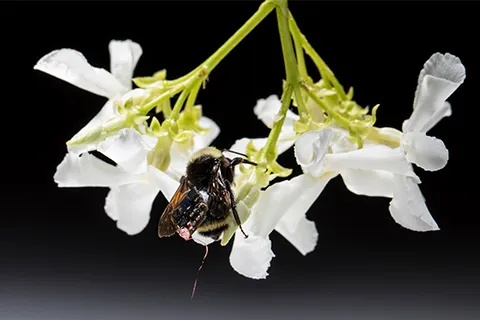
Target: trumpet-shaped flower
x,y
281,207
133,183
71,66
377,170
374,170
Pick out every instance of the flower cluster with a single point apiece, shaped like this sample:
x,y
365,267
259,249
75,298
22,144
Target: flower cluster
x,y
331,136
375,170
134,181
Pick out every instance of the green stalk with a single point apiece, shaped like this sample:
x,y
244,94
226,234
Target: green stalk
x,y
265,8
325,71
179,103
297,41
292,81
208,65
193,95
269,151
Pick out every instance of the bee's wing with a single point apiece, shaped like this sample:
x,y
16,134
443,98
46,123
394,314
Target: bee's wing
x,y
166,226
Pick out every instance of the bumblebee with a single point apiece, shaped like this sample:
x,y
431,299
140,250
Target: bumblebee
x,y
204,200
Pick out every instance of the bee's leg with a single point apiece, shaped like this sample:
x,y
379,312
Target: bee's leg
x,y
234,209
237,161
226,183
237,220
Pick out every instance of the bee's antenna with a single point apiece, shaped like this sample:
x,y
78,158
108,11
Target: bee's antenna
x,y
198,272
231,151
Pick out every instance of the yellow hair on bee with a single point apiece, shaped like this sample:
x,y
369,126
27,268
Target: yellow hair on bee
x,y
208,151
212,226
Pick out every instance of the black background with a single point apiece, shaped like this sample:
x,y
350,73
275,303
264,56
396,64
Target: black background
x,y
63,258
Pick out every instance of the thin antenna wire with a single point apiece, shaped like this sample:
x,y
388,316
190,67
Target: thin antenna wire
x,y
198,272
231,151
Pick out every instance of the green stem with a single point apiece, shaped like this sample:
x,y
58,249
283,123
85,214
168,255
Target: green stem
x,y
166,95
208,65
166,108
297,41
292,82
324,70
269,151
321,65
193,95
265,8
297,91
291,66
297,34
171,83
179,103
286,41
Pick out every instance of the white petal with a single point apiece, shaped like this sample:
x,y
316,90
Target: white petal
x,y
299,231
294,225
283,144
241,144
267,109
429,153
311,148
375,157
149,141
130,205
340,141
408,207
251,257
88,171
71,66
108,111
288,200
439,78
124,56
295,195
202,141
128,150
444,111
163,182
372,183
138,95
178,161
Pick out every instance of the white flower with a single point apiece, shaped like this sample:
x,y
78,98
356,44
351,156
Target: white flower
x,y
377,170
281,207
374,170
71,66
134,185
